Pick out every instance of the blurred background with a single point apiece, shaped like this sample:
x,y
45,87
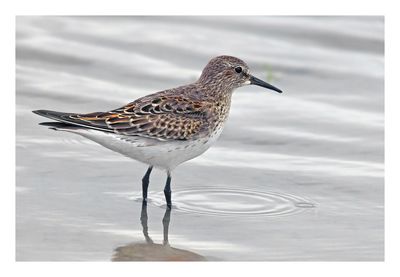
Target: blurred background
x,y
295,176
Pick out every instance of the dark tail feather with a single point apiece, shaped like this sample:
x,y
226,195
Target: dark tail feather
x,y
59,116
63,121
60,126
67,121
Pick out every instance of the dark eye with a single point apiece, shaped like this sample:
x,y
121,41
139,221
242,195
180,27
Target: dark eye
x,y
238,69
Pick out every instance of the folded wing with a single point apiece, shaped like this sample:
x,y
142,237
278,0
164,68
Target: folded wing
x,y
162,117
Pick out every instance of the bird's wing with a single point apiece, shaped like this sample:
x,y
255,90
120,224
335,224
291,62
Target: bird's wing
x,y
161,117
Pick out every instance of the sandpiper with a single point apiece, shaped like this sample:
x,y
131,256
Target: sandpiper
x,y
169,127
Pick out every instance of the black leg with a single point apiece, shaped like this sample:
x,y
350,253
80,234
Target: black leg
x,y
167,190
145,183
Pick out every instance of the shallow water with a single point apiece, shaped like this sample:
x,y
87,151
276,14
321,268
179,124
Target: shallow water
x,y
296,176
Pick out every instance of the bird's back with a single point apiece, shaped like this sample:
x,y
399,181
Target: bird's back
x,y
183,113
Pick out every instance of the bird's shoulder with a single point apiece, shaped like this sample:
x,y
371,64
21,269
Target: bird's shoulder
x,y
181,100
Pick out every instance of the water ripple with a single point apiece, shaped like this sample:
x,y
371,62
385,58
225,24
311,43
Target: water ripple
x,y
232,202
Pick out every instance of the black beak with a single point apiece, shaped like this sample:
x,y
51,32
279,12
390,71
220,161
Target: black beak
x,y
261,83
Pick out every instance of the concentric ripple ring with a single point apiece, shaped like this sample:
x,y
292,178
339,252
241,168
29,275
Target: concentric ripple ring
x,y
233,202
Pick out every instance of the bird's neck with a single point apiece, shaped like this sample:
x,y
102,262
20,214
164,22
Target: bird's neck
x,y
214,89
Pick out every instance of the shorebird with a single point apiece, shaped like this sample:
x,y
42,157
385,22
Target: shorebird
x,y
169,127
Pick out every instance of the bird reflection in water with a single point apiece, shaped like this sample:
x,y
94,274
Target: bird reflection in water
x,y
150,251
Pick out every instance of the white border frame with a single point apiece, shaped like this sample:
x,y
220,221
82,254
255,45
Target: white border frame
x,y
249,7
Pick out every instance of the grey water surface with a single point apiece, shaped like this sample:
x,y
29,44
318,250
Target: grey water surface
x,y
297,176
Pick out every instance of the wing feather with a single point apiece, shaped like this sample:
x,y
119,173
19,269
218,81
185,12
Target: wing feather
x,y
162,117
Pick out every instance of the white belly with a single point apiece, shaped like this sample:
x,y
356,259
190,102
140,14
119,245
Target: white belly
x,y
162,154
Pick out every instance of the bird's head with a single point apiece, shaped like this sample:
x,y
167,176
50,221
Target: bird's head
x,y
228,73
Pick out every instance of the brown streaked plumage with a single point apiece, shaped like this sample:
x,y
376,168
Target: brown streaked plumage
x,y
173,125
